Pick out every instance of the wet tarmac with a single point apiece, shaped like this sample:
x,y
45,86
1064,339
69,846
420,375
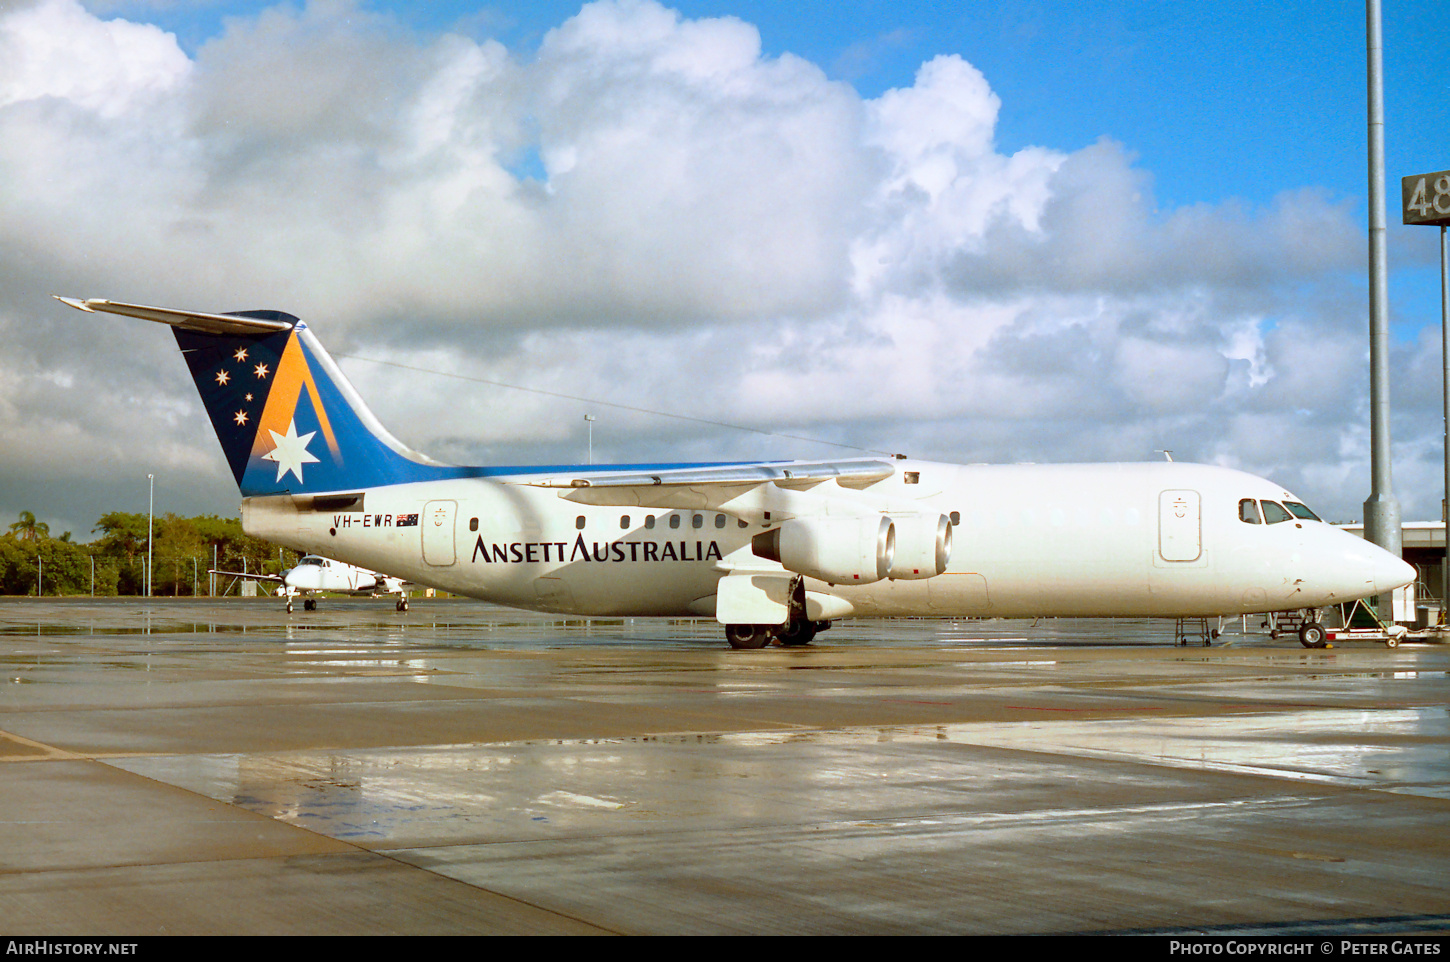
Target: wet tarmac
x,y
200,767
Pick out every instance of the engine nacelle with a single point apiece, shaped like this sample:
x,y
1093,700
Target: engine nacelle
x,y
839,551
923,546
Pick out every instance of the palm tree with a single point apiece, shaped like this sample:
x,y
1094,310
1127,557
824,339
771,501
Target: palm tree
x,y
28,529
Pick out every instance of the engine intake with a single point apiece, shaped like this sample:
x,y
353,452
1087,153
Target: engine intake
x,y
849,551
923,546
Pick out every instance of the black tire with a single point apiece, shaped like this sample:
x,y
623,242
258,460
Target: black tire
x,y
797,633
747,636
1313,635
309,604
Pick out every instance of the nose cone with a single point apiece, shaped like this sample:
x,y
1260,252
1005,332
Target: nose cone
x,y
302,576
1381,569
1338,566
1391,572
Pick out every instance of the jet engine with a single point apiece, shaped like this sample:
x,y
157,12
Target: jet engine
x,y
923,546
847,551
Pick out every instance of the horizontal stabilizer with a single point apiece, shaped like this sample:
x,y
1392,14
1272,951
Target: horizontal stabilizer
x,y
187,320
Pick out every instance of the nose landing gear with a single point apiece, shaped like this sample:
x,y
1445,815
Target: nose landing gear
x,y
1312,634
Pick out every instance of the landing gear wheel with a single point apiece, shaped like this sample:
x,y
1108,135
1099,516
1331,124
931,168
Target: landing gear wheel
x,y
1313,635
402,604
289,606
747,636
309,604
797,633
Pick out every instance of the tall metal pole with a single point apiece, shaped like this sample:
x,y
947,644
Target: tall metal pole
x,y
590,419
150,514
1382,508
1445,358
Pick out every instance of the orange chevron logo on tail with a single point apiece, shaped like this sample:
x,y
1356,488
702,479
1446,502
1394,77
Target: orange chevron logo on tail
x,y
292,376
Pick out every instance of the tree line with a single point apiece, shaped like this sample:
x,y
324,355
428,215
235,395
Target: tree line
x,y
183,549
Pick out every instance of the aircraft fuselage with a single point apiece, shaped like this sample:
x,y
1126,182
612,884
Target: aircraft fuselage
x,y
1149,539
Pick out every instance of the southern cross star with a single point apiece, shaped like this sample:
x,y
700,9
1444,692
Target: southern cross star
x,y
290,452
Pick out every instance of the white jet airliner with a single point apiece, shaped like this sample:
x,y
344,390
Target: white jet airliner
x,y
314,574
773,550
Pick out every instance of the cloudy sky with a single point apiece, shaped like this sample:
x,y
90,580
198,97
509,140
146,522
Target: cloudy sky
x,y
1019,231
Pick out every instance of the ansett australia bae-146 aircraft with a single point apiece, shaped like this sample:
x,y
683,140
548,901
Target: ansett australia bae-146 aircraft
x,y
314,575
773,550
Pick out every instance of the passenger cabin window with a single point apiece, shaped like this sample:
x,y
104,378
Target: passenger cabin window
x,y
649,521
623,521
579,522
956,517
1301,511
472,524
1249,511
698,521
719,521
1274,512
674,521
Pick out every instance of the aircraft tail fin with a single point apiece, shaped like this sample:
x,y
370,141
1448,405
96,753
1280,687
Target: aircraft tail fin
x,y
287,418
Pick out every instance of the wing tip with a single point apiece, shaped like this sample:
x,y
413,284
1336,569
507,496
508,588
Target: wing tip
x,y
75,302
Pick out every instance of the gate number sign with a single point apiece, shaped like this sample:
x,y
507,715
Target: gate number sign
x,y
1425,198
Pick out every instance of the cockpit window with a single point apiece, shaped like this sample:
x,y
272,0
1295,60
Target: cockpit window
x,y
1249,511
309,561
1274,512
1301,511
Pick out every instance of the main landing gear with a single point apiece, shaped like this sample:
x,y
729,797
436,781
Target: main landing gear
x,y
791,635
798,629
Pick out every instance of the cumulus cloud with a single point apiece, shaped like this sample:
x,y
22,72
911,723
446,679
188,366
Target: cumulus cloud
x,y
649,210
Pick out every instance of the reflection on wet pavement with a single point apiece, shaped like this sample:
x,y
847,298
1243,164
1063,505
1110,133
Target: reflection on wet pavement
x,y
637,776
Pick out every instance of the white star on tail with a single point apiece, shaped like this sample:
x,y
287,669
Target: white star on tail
x,y
290,452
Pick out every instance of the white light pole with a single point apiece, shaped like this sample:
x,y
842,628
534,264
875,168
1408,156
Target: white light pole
x,y
150,514
1381,508
590,419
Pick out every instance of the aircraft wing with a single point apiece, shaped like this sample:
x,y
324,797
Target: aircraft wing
x,y
250,575
709,487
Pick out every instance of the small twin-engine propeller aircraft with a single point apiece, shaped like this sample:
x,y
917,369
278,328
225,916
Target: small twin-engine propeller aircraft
x,y
314,574
773,550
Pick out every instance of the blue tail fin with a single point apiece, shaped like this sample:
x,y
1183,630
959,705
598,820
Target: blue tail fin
x,y
288,420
